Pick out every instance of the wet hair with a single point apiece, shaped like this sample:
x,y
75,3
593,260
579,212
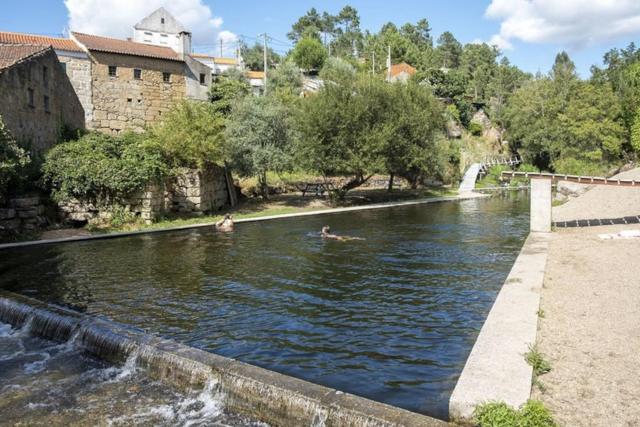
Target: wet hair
x,y
227,216
326,229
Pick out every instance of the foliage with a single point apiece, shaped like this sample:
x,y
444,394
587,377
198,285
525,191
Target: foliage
x,y
338,71
191,135
259,138
13,158
227,89
102,169
309,54
285,81
536,359
475,129
635,133
253,57
499,414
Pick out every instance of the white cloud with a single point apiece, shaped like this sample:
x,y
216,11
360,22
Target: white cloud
x,y
573,23
116,18
229,43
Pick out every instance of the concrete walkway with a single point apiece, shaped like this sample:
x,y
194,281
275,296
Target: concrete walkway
x,y
590,332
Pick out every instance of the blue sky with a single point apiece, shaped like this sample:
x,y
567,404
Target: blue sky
x,y
581,29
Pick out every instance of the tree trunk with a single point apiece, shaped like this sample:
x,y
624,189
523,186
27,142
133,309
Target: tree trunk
x,y
264,187
390,187
356,182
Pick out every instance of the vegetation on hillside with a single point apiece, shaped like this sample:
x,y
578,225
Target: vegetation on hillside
x,y
13,159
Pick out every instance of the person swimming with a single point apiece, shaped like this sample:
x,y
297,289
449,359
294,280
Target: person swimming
x,y
225,224
326,234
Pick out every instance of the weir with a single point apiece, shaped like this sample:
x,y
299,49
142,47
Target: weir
x,y
245,389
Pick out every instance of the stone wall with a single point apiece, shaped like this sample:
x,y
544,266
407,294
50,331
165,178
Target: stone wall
x,y
78,68
126,103
35,124
22,214
193,192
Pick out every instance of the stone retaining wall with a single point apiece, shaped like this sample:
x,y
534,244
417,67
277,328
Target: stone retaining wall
x,y
22,214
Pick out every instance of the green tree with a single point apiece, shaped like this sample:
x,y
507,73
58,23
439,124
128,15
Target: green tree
x,y
309,25
226,90
478,61
12,159
309,54
449,50
635,133
259,139
337,70
253,57
191,135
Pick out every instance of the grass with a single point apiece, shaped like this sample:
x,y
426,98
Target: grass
x,y
499,414
541,314
536,359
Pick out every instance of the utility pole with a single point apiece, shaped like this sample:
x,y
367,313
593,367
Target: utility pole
x,y
221,42
264,51
389,64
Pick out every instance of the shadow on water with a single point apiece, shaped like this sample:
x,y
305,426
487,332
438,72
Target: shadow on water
x,y
391,318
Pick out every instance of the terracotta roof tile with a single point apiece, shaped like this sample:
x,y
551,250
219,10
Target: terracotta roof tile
x,y
217,60
400,68
11,54
126,47
32,39
255,74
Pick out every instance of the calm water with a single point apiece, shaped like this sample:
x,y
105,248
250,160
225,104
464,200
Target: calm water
x,y
392,318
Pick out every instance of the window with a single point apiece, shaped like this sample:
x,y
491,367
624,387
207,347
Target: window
x,y
202,79
148,37
113,71
30,98
166,77
64,66
45,76
46,103
164,39
137,74
162,20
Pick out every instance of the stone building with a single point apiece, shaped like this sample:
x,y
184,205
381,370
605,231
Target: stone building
x,y
400,72
74,60
36,97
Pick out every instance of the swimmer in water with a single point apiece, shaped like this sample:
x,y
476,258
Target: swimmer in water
x,y
326,234
225,224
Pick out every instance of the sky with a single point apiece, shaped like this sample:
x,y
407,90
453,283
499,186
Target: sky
x,y
529,32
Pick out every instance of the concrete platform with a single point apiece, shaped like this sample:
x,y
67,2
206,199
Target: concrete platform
x,y
496,369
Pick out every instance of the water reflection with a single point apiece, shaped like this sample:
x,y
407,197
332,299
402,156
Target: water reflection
x,y
392,317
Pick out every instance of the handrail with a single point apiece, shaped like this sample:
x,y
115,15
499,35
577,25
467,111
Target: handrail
x,y
595,180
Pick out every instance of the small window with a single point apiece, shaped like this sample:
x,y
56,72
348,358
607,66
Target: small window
x,y
162,20
164,39
45,76
148,37
64,66
46,103
166,77
30,98
113,71
137,74
203,79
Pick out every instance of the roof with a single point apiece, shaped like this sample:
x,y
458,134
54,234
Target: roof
x,y
126,47
11,54
255,74
33,39
402,68
216,60
161,21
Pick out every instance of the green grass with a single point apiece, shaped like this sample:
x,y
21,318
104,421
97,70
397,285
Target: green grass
x,y
536,359
541,314
499,414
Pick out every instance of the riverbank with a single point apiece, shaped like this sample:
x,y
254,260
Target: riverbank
x,y
253,209
589,329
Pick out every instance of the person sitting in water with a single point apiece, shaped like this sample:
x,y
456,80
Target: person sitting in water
x,y
326,234
225,224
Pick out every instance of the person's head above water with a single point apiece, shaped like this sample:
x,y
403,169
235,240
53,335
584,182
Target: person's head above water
x,y
326,229
227,216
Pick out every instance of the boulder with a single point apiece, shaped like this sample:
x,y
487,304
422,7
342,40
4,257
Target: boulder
x,y
481,118
454,130
571,189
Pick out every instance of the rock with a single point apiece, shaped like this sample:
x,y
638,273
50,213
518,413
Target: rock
x,y
27,213
571,189
7,213
454,130
482,119
10,224
25,202
492,134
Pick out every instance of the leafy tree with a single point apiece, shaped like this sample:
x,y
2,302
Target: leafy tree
x,y
259,138
12,159
228,88
635,133
449,50
337,70
285,81
102,169
253,57
309,25
348,36
191,135
478,61
309,54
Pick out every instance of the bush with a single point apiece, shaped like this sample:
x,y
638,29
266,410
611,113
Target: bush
x,y
12,159
475,129
102,169
571,166
499,414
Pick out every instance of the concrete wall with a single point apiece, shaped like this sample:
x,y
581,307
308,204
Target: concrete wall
x,y
541,205
196,90
33,124
123,103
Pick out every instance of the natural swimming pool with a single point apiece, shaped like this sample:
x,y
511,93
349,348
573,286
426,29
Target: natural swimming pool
x,y
392,318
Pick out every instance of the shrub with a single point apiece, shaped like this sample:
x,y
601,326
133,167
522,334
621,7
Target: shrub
x,y
102,169
572,166
536,359
12,159
475,129
499,414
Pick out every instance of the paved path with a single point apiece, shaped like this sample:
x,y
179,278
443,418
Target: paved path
x,y
591,327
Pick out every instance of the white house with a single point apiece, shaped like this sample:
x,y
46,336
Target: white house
x,y
162,29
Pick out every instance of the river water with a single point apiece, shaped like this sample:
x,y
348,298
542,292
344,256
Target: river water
x,y
392,317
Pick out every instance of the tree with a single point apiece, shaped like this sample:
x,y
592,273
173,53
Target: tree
x,y
338,71
259,139
635,133
309,54
227,89
478,61
285,81
449,49
310,25
12,159
253,57
191,135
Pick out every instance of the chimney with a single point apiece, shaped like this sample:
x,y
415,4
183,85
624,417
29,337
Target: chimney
x,y
184,47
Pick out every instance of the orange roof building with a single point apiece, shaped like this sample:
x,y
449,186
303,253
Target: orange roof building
x,y
125,47
400,72
58,43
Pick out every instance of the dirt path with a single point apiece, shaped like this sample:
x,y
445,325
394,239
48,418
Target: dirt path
x,y
590,332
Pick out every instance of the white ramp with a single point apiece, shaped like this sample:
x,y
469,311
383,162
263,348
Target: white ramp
x,y
469,180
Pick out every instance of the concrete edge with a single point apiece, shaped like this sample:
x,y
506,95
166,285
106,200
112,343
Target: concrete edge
x,y
248,390
496,369
465,196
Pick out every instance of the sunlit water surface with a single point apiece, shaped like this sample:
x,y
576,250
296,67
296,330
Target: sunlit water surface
x,y
392,317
